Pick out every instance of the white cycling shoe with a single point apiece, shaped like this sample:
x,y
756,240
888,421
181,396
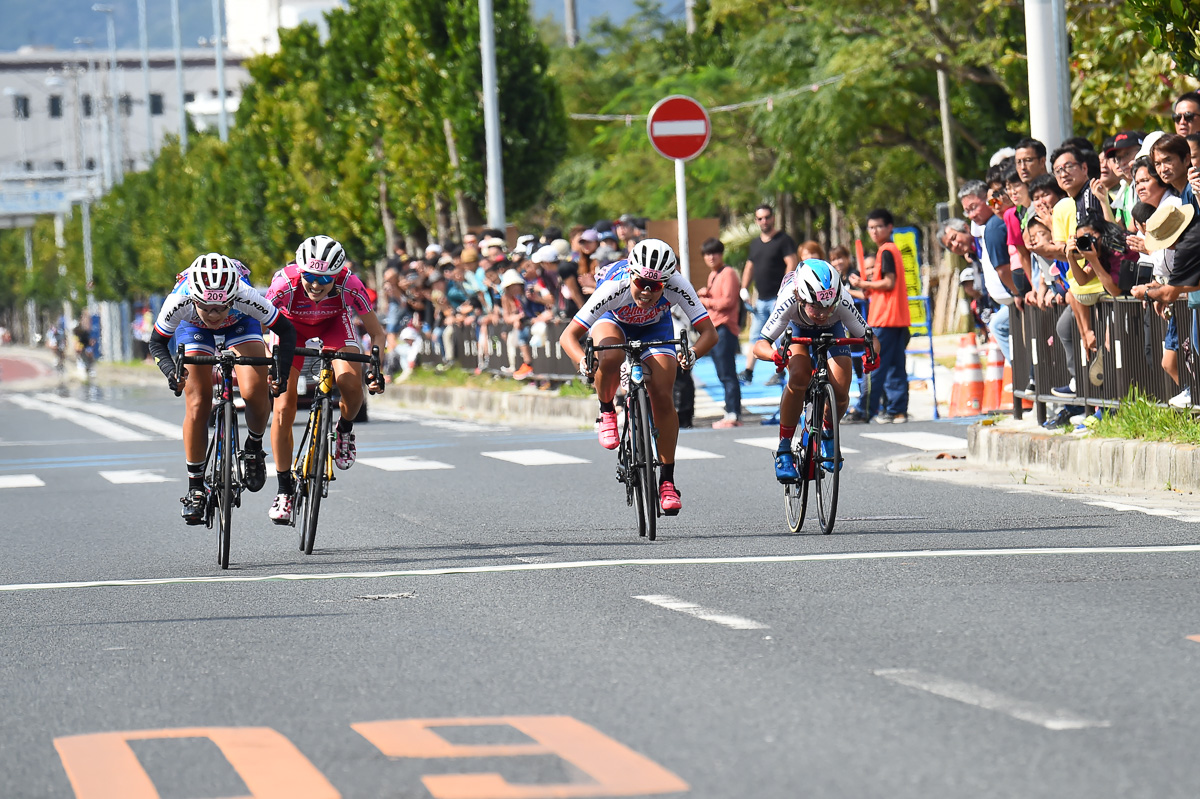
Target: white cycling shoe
x,y
344,451
281,509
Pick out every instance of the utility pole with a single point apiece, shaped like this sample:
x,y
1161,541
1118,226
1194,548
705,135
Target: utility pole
x,y
143,40
690,10
183,132
944,112
114,130
572,26
1049,79
491,117
219,46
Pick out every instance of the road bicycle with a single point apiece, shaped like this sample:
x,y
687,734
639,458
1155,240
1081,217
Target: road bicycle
x,y
637,460
313,464
223,463
820,422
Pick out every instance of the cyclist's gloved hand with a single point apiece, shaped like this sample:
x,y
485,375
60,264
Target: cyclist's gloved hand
x,y
375,382
584,371
870,360
687,357
780,358
177,380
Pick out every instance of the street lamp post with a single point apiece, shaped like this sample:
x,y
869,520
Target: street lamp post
x,y
491,117
112,90
143,40
219,46
183,132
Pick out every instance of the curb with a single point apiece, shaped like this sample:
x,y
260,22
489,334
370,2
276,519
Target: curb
x,y
1103,461
505,406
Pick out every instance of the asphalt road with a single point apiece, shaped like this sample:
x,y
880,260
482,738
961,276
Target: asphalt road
x,y
466,615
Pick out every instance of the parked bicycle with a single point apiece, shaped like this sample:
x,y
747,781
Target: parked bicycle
x,y
819,423
637,460
313,464
223,467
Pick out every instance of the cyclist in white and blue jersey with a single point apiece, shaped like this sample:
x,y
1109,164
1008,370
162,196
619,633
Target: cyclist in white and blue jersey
x,y
813,301
632,302
213,297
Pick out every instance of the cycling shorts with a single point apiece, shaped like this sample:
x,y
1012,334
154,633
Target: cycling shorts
x,y
662,330
336,331
837,329
202,340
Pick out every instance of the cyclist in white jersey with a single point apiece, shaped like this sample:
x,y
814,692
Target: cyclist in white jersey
x,y
813,300
632,302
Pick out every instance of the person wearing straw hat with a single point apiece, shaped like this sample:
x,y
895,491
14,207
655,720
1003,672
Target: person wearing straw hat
x,y
1173,227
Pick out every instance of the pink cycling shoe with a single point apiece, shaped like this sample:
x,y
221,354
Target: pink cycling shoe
x,y
608,430
668,498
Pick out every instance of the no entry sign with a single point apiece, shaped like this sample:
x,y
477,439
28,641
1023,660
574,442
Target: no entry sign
x,y
679,127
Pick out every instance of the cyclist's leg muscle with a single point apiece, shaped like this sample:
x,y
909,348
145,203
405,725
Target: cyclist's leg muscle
x,y
799,374
662,402
349,379
608,363
197,394
252,382
281,424
841,372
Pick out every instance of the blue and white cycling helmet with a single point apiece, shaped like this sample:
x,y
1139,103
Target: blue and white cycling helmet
x,y
212,279
652,259
818,283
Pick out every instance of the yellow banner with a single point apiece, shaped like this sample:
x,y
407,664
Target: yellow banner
x,y
907,240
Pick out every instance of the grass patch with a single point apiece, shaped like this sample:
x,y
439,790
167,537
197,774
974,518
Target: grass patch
x,y
575,388
1141,417
455,377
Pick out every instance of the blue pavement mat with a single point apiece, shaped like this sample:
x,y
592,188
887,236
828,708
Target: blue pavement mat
x,y
757,397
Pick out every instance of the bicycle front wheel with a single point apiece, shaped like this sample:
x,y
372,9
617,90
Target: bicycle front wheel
x,y
795,495
826,451
647,473
227,432
318,464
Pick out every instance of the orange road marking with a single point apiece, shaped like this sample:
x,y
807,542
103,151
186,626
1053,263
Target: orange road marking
x,y
103,766
616,769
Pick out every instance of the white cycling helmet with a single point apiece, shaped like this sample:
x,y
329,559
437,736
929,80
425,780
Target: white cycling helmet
x,y
652,259
212,279
818,283
320,255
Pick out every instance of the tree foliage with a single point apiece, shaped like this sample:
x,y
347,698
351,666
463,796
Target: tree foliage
x,y
1171,27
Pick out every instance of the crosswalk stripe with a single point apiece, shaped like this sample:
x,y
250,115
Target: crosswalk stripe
x,y
456,425
772,443
88,421
20,481
403,463
689,454
919,440
132,476
534,457
132,418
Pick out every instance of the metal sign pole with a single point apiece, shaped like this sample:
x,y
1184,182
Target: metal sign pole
x,y
682,211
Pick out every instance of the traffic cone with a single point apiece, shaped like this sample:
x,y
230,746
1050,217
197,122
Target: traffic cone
x,y
966,396
993,379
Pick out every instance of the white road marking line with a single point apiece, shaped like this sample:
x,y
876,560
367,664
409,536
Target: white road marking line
x,y
136,476
928,442
384,415
692,609
689,454
1051,719
1122,507
595,564
403,463
88,421
20,481
132,418
534,457
772,443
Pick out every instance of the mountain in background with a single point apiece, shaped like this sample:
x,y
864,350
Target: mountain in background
x,y
59,22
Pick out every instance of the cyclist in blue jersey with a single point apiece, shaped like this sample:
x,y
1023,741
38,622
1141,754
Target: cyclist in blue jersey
x,y
213,297
813,300
632,302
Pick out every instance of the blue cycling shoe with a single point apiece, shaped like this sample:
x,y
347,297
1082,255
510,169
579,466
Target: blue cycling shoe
x,y
785,463
827,455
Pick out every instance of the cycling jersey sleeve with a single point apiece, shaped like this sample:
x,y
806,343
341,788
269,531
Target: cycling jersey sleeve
x,y
781,316
172,313
609,296
680,293
254,305
848,315
160,350
281,291
354,295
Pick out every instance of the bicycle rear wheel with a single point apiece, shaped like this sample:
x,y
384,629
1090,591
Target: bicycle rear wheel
x,y
317,464
647,473
795,495
224,490
632,444
828,467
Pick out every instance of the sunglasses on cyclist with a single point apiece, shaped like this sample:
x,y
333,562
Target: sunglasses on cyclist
x,y
648,285
320,280
1186,116
204,308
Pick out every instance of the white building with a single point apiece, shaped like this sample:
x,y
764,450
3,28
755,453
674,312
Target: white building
x,y
252,26
54,109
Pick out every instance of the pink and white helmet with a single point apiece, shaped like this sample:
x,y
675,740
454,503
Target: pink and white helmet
x,y
652,259
320,255
212,279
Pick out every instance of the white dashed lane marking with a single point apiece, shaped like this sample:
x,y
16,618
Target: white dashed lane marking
x,y
689,454
929,442
968,694
692,609
146,422
772,443
20,481
88,421
403,463
534,457
136,476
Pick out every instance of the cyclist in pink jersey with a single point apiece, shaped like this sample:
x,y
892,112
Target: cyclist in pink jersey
x,y
317,293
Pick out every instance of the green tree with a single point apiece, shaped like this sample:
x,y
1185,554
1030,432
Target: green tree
x,y
1171,27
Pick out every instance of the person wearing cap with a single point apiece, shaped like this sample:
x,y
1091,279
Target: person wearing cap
x,y
432,253
632,302
517,312
607,252
627,231
1120,152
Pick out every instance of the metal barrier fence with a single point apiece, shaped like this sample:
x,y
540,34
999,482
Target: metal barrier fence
x,y
462,349
1129,354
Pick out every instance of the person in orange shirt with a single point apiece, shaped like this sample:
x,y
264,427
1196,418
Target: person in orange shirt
x,y
885,288
721,298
